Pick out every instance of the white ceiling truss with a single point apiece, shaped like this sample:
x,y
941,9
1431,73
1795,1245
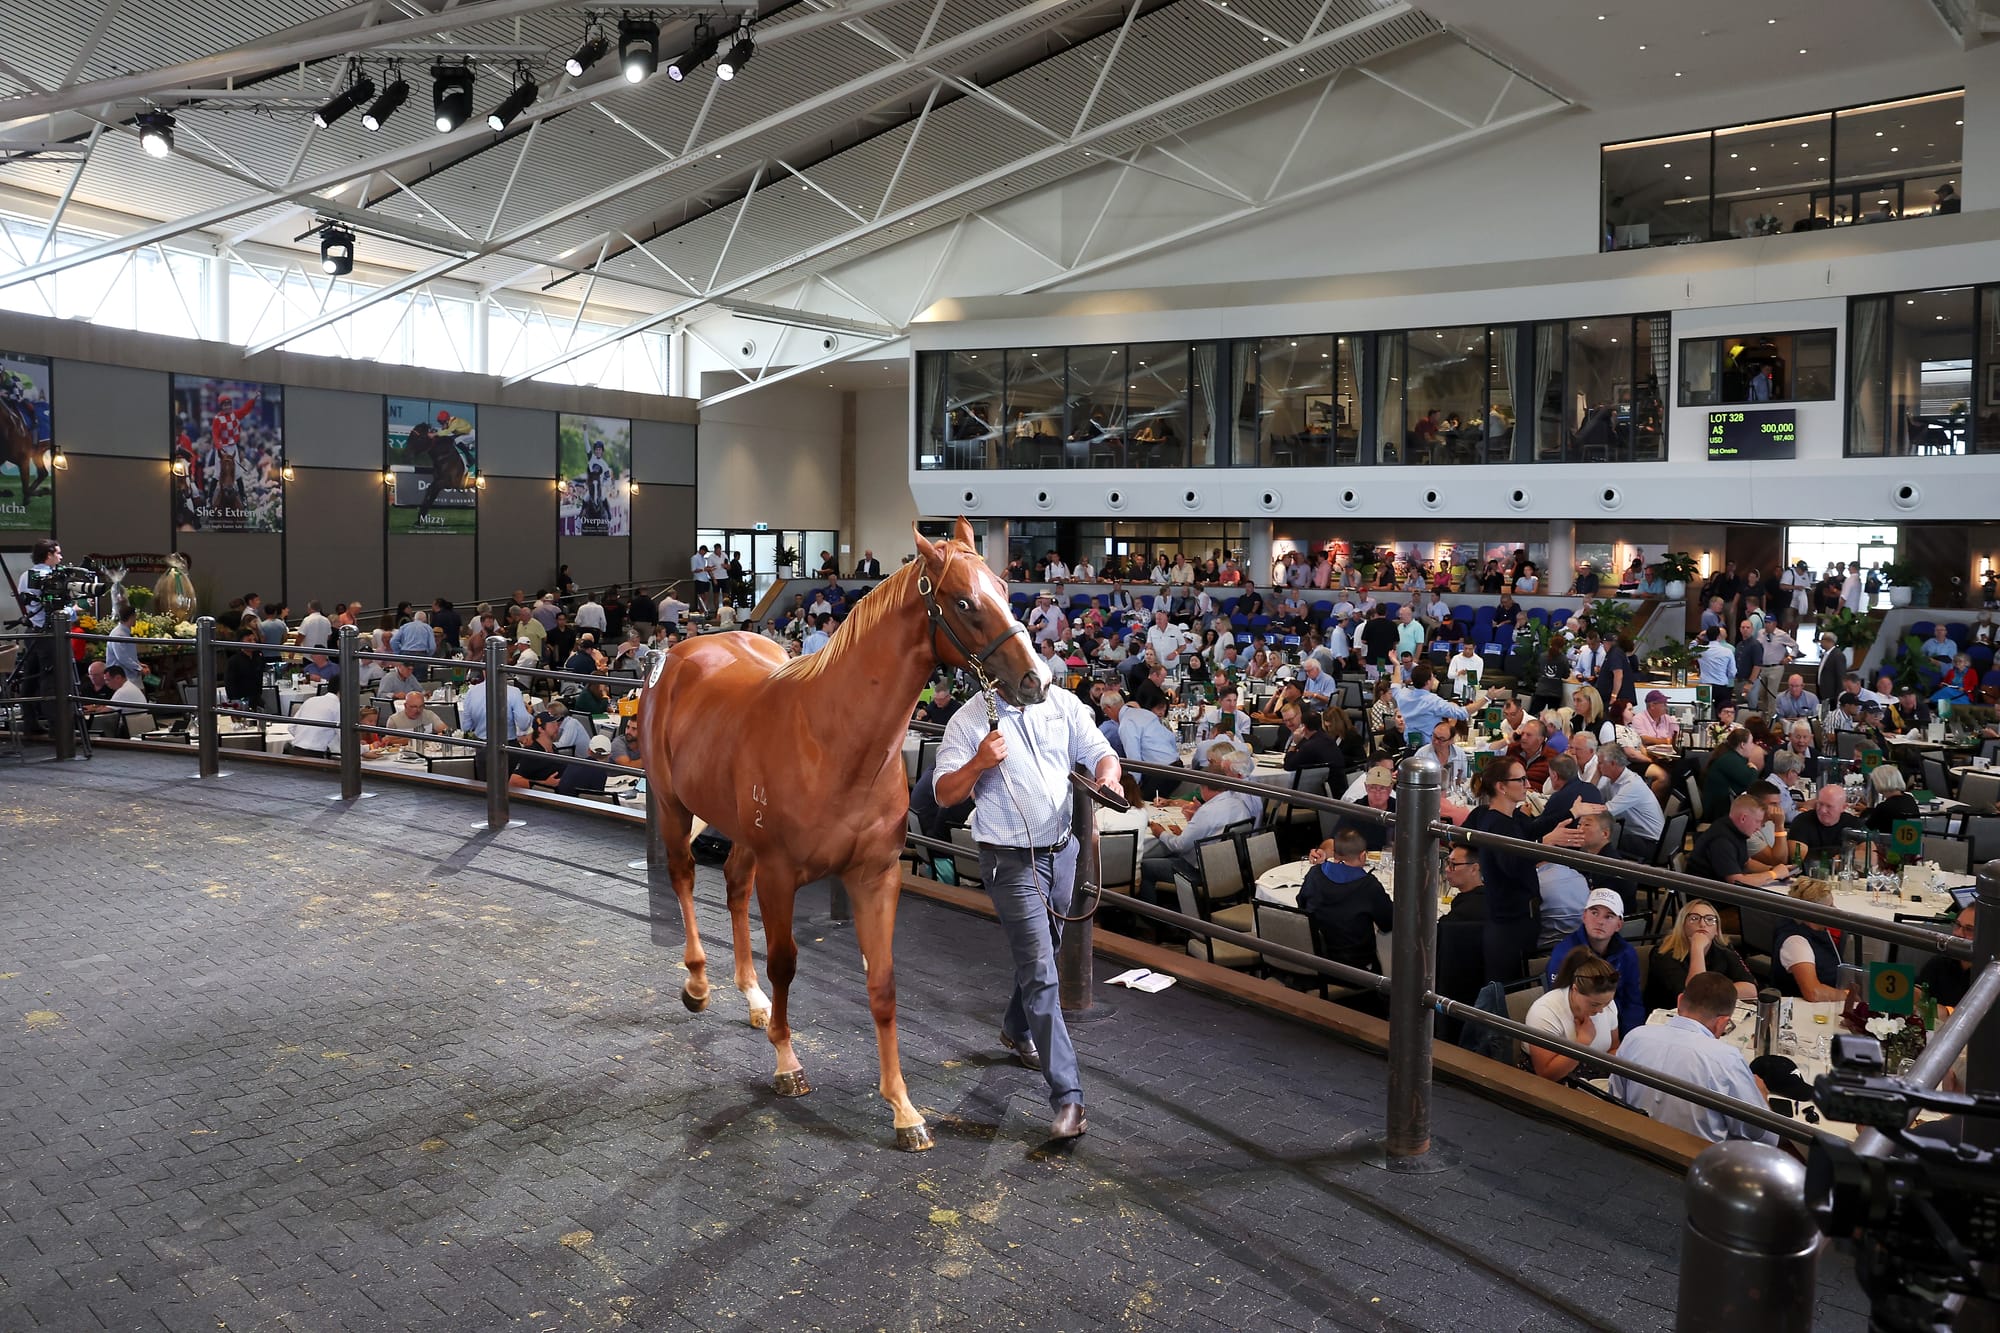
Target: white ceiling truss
x,y
878,154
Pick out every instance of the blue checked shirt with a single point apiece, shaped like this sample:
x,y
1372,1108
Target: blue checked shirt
x,y
1042,742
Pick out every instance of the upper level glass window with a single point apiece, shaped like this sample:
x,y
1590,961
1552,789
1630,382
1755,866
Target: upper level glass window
x,y
1877,163
1921,378
1757,368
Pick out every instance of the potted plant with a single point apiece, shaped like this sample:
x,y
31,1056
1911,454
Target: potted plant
x,y
788,562
1675,570
1609,617
1913,670
1671,659
1850,629
1900,577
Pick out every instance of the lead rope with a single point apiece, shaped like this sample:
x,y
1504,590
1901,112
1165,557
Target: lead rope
x,y
1048,900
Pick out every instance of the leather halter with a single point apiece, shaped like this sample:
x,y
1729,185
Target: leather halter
x,y
975,662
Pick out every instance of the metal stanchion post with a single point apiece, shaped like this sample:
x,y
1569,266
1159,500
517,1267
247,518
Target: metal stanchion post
x,y
1414,964
1749,1245
497,723
350,715
839,912
1076,981
61,682
1982,1060
207,749
656,843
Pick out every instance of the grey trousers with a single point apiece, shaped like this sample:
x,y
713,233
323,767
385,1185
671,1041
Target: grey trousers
x,y
1011,878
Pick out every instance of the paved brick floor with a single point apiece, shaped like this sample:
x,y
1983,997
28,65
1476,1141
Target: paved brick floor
x,y
270,1062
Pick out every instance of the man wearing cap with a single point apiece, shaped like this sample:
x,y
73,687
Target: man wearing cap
x,y
1654,724
1689,1047
531,760
1603,917
1910,712
1846,715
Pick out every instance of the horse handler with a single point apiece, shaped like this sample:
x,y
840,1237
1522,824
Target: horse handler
x,y
1017,770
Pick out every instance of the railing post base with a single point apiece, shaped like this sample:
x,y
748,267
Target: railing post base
x,y
1076,955
839,911
1749,1244
1371,1149
208,759
497,724
1413,971
59,685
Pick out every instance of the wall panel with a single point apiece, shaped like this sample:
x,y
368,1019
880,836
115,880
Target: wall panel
x,y
666,453
333,537
226,565
517,442
422,566
517,532
111,410
594,561
662,534
326,428
113,505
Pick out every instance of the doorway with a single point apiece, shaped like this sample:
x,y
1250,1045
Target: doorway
x,y
1824,547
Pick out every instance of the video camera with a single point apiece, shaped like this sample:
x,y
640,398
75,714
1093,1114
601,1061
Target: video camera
x,y
1926,1220
60,585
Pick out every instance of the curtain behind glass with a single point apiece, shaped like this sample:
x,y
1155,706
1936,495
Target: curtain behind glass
x,y
930,410
1550,432
1868,378
1390,428
1211,404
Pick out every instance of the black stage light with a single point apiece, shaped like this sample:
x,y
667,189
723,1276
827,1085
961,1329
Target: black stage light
x,y
739,56
336,250
696,55
385,106
156,133
344,101
513,105
592,51
451,95
638,48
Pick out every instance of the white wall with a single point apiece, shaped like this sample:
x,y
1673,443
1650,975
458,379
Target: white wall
x,y
772,457
884,508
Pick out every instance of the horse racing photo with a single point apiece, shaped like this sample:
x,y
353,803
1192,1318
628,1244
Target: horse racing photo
x,y
27,471
433,455
228,455
594,470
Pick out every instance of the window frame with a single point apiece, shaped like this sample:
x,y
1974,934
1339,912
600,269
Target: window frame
x,y
1680,363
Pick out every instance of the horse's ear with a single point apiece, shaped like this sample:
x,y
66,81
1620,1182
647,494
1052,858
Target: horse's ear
x,y
926,549
963,533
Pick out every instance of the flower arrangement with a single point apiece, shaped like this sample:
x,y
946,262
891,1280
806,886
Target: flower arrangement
x,y
1902,1038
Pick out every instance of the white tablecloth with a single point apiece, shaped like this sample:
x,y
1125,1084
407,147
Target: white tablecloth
x,y
1136,819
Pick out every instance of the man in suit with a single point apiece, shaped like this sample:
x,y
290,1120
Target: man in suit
x,y
1832,666
869,567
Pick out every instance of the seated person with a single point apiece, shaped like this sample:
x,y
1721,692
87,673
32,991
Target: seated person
x,y
126,698
316,727
411,715
1145,738
1821,831
1603,918
322,668
1308,746
941,705
1585,987
1692,947
1808,959
626,748
1689,1047
1173,853
398,681
1722,852
1564,890
1947,979
1378,791
532,760
1346,902
1569,790
1892,799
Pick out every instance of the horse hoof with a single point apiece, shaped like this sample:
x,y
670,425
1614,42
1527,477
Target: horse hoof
x,y
694,1005
914,1138
791,1084
760,1018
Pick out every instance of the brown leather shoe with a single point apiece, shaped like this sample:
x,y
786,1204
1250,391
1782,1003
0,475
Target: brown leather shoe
x,y
1069,1122
1025,1051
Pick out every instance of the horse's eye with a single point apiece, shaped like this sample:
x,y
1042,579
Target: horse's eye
x,y
964,605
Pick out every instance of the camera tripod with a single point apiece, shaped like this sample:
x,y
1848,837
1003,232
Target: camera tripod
x,y
28,679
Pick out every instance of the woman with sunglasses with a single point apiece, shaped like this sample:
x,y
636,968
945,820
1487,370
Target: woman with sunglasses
x,y
1693,946
1511,883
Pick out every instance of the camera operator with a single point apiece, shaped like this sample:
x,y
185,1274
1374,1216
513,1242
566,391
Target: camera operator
x,y
36,658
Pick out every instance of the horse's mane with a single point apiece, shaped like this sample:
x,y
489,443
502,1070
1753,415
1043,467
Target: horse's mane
x,y
872,609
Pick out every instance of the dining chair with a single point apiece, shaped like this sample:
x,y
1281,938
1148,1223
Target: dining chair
x,y
1294,930
1980,792
1261,848
1118,861
1220,952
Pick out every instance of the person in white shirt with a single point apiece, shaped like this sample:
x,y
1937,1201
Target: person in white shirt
x,y
315,631
1057,572
1798,582
1171,853
1575,1011
1045,622
698,566
1164,638
1182,573
672,609
1689,1047
1628,797
1083,571
316,726
1464,670
590,615
1337,641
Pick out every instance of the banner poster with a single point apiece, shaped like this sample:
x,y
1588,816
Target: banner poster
x,y
594,471
228,452
433,456
27,467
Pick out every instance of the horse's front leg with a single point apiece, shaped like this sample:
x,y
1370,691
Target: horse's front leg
x,y
874,897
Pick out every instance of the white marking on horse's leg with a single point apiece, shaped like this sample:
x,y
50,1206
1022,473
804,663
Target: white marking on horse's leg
x,y
760,1005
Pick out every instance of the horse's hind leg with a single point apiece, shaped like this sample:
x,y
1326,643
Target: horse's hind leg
x,y
675,826
776,887
739,872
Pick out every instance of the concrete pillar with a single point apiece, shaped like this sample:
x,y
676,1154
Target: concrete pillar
x,y
848,536
1257,537
482,310
1561,569
999,532
218,295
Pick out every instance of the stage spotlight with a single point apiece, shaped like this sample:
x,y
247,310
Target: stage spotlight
x,y
739,56
593,49
344,101
385,106
336,250
513,105
638,48
156,133
696,55
451,95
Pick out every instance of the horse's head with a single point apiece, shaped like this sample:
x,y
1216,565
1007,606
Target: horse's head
x,y
971,622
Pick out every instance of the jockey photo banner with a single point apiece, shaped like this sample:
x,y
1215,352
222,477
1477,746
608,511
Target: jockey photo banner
x,y
27,465
432,461
594,474
228,452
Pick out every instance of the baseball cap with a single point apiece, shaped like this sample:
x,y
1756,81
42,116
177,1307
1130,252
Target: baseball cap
x,y
543,718
1849,697
1656,696
1606,898
1380,778
1870,706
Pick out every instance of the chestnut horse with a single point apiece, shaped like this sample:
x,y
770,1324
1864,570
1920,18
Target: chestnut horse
x,y
21,445
800,764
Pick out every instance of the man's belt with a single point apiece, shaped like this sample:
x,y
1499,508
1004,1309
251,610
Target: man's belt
x,y
1056,846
